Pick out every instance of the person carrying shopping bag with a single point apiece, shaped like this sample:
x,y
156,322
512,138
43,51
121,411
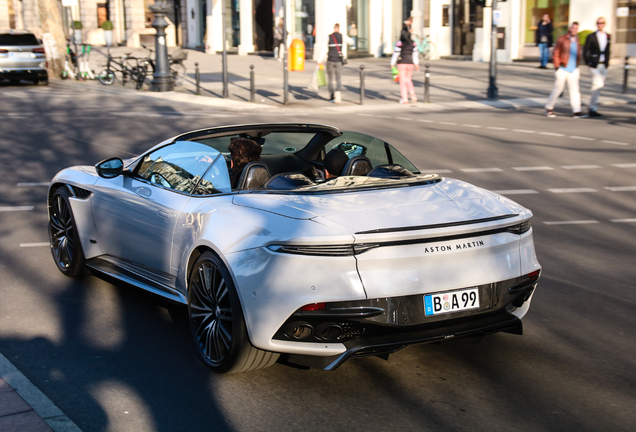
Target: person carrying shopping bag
x,y
405,55
335,61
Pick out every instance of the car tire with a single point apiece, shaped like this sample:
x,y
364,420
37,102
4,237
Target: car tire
x,y
63,235
216,320
106,77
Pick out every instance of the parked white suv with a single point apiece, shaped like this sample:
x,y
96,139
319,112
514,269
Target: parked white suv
x,y
22,57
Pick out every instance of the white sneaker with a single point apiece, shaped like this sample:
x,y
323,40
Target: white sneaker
x,y
337,98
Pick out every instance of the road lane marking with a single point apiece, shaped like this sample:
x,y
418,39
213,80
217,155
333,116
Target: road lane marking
x,y
404,118
551,134
42,244
426,121
16,208
575,167
615,142
435,171
496,128
572,190
517,192
34,184
365,115
581,138
575,222
471,126
621,188
383,116
524,131
535,168
478,170
448,123
623,220
629,165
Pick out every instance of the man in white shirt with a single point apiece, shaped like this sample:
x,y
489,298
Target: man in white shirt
x,y
596,54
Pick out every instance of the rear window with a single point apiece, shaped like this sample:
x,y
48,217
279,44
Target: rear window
x,y
18,39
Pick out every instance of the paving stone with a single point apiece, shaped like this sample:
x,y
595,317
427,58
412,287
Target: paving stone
x,y
11,403
23,422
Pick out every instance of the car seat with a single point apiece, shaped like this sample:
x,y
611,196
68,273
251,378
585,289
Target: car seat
x,y
357,166
254,176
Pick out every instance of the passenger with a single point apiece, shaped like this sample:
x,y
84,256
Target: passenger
x,y
335,162
242,151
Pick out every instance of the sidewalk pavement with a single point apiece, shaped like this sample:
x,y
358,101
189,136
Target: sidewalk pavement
x,y
24,408
454,84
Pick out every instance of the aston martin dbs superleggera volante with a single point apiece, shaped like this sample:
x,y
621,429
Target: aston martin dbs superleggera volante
x,y
289,265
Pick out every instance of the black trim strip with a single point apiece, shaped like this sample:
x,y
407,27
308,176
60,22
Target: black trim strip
x,y
441,225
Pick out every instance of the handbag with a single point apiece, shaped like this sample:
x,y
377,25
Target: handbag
x,y
321,80
342,59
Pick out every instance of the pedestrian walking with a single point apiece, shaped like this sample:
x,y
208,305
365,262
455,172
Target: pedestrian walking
x,y
335,61
596,54
405,55
543,39
278,40
566,56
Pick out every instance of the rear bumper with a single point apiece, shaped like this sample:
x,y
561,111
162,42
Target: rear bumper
x,y
480,325
27,74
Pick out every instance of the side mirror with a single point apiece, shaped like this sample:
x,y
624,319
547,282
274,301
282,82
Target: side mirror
x,y
110,168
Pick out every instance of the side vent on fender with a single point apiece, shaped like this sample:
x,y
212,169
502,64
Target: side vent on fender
x,y
78,192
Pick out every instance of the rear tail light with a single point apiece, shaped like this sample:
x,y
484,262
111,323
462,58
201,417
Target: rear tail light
x,y
313,307
3,51
38,50
520,228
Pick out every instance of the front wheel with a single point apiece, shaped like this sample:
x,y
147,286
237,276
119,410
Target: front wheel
x,y
65,242
106,77
178,71
216,320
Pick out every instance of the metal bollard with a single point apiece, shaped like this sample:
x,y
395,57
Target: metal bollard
x,y
427,84
252,90
361,84
626,75
197,78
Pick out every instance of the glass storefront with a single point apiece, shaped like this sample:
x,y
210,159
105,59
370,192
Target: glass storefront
x,y
467,16
305,22
559,11
626,22
357,27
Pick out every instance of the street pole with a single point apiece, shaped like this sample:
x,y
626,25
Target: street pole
x,y
285,71
225,90
162,79
492,87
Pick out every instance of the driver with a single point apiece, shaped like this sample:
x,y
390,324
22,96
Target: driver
x,y
242,152
335,162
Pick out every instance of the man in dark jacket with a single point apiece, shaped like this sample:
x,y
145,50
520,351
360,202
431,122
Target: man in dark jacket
x,y
596,54
567,53
543,39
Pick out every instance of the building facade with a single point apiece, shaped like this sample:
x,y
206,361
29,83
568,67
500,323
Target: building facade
x,y
460,28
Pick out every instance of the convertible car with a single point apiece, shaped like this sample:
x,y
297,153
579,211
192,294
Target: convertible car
x,y
291,267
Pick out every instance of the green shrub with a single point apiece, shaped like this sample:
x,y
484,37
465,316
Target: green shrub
x,y
583,35
107,25
77,25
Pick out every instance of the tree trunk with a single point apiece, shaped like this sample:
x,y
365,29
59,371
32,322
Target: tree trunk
x,y
53,35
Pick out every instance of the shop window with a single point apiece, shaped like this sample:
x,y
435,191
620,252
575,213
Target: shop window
x,y
626,21
102,13
559,11
445,15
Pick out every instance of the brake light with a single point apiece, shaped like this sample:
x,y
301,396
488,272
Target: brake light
x,y
313,307
3,51
38,50
533,276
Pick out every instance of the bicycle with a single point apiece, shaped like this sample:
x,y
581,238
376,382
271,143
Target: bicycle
x,y
426,48
137,73
177,68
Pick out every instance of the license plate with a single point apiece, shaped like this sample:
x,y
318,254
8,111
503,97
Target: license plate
x,y
20,55
454,301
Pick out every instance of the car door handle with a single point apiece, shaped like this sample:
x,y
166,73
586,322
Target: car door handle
x,y
163,214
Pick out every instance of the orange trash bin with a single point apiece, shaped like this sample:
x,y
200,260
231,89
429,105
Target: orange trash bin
x,y
297,55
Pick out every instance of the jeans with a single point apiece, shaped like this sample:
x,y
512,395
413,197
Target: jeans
x,y
544,53
572,78
334,70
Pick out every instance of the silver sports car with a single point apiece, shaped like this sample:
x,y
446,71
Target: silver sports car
x,y
291,266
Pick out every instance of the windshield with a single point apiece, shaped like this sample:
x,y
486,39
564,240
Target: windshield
x,y
275,143
18,39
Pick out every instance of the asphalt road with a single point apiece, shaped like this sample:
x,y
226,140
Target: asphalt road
x,y
117,359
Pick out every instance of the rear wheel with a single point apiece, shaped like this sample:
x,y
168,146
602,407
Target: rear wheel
x,y
106,77
65,242
216,320
178,71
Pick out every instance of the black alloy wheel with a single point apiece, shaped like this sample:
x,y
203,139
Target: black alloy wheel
x,y
65,243
216,320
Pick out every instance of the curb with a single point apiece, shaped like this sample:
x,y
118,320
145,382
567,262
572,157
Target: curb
x,y
41,404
